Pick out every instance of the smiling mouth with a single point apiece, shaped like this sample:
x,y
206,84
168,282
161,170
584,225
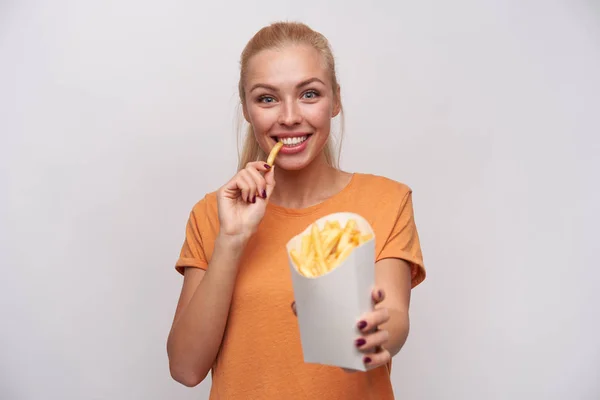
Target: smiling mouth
x,y
291,141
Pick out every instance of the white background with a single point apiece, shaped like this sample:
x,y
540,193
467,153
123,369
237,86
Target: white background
x,y
117,116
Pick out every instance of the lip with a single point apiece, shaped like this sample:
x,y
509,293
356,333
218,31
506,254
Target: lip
x,y
295,149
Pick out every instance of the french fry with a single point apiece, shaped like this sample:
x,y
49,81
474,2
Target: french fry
x,y
296,257
345,252
321,250
273,153
307,270
365,238
306,245
331,241
316,242
346,235
332,225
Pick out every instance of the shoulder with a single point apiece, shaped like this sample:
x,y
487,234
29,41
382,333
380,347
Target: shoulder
x,y
382,187
205,210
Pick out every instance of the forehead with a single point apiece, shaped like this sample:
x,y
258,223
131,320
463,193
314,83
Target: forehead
x,y
288,65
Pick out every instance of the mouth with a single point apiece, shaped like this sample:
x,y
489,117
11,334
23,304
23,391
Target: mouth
x,y
292,141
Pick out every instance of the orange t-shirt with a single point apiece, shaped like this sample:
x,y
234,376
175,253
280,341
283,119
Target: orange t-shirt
x,y
261,353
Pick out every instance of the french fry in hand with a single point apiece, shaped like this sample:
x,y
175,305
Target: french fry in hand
x,y
273,153
324,249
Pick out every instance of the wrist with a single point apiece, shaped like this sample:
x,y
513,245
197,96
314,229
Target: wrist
x,y
233,245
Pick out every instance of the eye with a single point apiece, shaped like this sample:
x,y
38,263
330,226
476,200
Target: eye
x,y
311,94
266,99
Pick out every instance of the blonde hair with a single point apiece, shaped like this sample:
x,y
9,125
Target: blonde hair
x,y
277,35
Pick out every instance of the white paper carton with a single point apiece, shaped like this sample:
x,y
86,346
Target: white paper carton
x,y
330,306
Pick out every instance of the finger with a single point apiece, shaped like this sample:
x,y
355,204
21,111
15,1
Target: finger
x,y
243,186
377,359
250,195
270,181
371,342
294,308
378,295
236,187
259,166
259,181
268,178
373,319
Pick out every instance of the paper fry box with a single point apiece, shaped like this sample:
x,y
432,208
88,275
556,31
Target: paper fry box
x,y
330,305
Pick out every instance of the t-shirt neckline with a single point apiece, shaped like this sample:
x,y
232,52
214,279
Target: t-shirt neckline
x,y
299,212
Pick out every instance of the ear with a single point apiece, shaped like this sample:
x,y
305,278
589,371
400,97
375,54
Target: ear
x,y
337,107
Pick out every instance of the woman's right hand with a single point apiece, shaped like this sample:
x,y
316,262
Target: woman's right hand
x,y
243,200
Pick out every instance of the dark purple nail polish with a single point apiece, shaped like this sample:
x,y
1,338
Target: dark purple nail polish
x,y
254,199
264,194
380,294
267,166
367,360
360,342
362,324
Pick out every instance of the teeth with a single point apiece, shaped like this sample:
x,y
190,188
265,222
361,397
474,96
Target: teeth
x,y
293,140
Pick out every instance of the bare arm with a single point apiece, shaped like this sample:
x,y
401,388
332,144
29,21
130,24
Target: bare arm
x,y
202,313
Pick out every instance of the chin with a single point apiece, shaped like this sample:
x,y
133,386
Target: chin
x,y
290,165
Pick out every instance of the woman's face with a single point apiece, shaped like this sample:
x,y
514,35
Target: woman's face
x,y
289,98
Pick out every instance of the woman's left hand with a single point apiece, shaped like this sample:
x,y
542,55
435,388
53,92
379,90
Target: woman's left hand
x,y
372,338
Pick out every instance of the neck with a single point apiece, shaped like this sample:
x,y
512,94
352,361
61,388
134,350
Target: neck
x,y
309,186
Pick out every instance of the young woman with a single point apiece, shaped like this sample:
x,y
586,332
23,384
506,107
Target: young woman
x,y
235,316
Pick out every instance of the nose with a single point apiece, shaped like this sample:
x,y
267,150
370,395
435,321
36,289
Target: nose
x,y
290,114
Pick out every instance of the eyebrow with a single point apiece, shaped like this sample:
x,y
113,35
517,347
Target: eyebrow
x,y
298,86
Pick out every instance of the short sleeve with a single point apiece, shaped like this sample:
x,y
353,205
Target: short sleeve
x,y
192,252
403,240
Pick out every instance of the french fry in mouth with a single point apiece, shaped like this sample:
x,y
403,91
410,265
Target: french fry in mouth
x,y
273,153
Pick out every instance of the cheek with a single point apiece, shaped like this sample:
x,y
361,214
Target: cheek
x,y
319,117
261,119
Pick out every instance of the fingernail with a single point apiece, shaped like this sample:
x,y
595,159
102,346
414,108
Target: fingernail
x,y
267,166
362,324
367,360
380,294
264,194
360,342
254,199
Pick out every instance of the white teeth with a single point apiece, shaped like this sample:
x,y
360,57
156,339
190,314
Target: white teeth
x,y
293,140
